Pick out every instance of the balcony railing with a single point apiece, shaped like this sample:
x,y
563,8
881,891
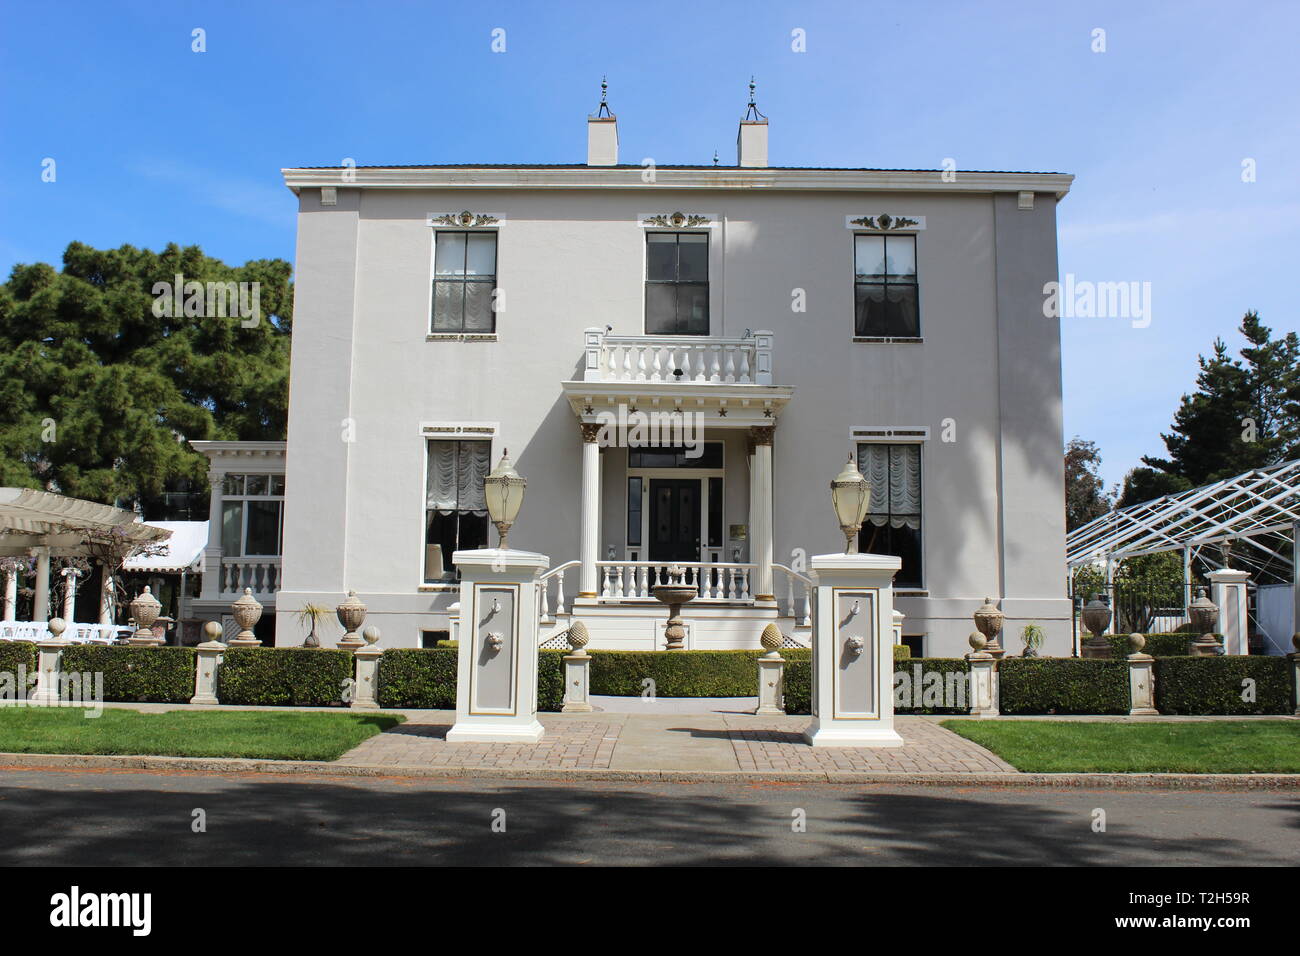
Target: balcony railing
x,y
262,574
688,359
635,580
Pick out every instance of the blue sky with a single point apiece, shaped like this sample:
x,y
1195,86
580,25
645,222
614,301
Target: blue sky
x,y
156,143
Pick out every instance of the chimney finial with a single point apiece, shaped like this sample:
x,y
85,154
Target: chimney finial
x,y
603,109
752,114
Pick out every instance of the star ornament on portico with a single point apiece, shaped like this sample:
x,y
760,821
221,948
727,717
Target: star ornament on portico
x,y
722,413
587,410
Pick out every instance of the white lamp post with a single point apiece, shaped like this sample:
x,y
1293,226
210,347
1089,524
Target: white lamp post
x,y
851,495
504,491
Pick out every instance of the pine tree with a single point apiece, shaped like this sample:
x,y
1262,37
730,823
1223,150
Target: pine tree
x,y
99,395
1085,495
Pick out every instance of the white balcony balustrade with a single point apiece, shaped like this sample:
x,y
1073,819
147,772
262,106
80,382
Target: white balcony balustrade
x,y
721,583
261,574
685,359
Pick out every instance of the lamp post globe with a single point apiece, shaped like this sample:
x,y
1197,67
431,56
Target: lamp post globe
x,y
851,496
504,491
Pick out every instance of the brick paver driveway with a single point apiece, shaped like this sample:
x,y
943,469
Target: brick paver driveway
x,y
684,742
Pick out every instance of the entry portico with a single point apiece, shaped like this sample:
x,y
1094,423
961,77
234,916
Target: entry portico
x,y
670,416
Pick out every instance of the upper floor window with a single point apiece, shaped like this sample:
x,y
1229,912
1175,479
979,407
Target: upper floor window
x,y
455,511
885,294
252,514
893,525
677,283
464,277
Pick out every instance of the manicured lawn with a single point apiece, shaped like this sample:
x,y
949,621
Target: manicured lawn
x,y
200,733
1057,746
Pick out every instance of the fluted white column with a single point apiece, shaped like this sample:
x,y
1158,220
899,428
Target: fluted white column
x,y
107,611
41,600
11,594
70,576
760,513
590,510
211,584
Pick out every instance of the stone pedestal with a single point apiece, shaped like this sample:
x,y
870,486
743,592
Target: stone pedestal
x,y
771,685
49,655
853,653
577,683
1141,679
366,659
210,655
1228,588
496,671
984,697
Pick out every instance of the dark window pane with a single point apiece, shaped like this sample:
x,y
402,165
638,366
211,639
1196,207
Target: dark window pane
x,y
715,512
232,530
693,258
442,532
692,309
661,257
900,310
479,316
473,532
277,484
263,527
232,485
660,308
256,485
634,512
869,310
448,300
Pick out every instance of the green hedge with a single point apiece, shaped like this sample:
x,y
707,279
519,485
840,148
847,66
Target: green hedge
x,y
798,683
425,678
155,675
16,655
1213,685
907,698
1157,645
1062,685
284,676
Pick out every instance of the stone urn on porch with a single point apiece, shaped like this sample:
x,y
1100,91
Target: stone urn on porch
x,y
674,594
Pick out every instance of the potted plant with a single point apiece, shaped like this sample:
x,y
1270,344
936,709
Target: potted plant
x,y
312,614
1032,635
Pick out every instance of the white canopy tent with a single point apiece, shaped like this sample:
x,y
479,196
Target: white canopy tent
x,y
42,524
1254,514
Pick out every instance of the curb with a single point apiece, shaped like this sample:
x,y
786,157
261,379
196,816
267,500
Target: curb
x,y
290,768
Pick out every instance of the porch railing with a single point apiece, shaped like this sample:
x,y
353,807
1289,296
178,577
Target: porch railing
x,y
262,574
799,590
552,580
723,582
678,358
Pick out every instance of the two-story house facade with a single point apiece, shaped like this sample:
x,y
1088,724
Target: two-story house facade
x,y
678,359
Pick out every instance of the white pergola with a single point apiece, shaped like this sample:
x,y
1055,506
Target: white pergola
x,y
1255,514
45,525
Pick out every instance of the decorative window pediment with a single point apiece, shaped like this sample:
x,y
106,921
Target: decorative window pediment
x,y
677,220
465,219
884,222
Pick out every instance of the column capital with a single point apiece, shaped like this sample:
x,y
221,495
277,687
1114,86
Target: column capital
x,y
590,432
216,479
761,434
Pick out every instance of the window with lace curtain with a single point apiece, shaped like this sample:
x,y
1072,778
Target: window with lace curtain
x,y
893,525
455,515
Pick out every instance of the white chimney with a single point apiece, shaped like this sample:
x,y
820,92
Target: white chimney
x,y
751,140
602,134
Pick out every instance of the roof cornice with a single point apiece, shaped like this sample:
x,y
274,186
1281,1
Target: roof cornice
x,y
719,178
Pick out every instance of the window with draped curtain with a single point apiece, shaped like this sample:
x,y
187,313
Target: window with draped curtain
x,y
455,515
893,525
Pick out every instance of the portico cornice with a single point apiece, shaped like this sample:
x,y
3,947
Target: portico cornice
x,y
722,405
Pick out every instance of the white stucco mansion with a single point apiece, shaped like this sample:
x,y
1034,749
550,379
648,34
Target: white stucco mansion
x,y
678,360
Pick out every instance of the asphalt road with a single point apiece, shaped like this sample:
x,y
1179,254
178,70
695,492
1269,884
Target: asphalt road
x,y
87,818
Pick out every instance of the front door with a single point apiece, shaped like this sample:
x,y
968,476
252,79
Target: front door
x,y
674,519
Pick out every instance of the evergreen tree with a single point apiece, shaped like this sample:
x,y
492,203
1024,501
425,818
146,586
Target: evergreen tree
x,y
1242,414
1085,495
99,394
